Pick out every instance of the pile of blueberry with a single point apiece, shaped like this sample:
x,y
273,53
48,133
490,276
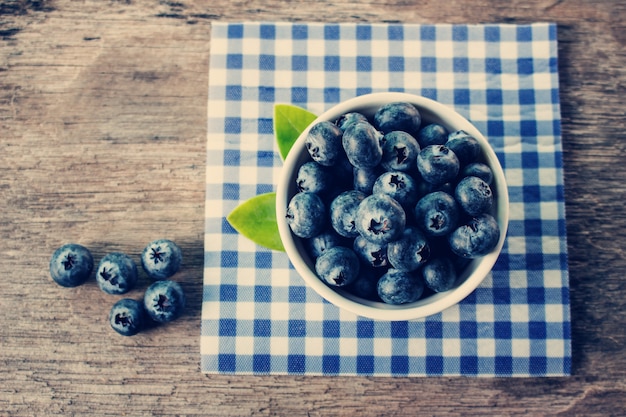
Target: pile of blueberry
x,y
163,301
391,209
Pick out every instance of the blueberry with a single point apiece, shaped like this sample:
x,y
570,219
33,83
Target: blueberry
x,y
71,265
380,219
432,134
127,317
439,274
364,178
361,143
437,213
343,211
399,287
399,151
338,266
306,214
478,169
347,119
313,177
164,301
474,196
398,185
371,254
117,273
323,142
410,251
161,259
319,244
438,164
398,116
465,146
366,284
476,238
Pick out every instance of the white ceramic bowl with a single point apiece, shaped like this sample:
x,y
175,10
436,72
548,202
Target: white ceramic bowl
x,y
431,112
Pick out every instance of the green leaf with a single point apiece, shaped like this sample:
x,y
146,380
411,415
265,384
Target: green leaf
x,y
256,219
289,122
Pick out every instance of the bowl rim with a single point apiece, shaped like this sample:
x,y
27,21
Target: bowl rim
x,y
431,111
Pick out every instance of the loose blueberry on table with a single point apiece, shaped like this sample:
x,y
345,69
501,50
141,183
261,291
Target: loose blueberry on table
x,y
164,301
127,317
418,206
71,265
117,273
161,259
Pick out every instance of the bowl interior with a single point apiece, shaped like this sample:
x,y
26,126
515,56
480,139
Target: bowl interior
x,y
474,273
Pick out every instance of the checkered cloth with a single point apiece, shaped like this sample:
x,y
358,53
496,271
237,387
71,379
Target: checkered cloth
x,y
258,317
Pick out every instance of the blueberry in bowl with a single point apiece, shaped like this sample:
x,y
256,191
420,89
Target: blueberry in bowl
x,y
427,212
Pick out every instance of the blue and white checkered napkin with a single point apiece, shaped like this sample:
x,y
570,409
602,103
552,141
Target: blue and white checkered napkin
x,y
258,317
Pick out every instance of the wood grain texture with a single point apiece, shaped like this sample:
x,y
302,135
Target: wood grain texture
x,y
102,142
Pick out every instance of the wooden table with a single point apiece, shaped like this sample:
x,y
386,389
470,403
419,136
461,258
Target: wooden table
x,y
102,141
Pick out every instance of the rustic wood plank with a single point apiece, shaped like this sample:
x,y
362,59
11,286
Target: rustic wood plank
x,y
102,138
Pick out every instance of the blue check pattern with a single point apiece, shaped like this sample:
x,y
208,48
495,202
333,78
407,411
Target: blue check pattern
x,y
258,317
